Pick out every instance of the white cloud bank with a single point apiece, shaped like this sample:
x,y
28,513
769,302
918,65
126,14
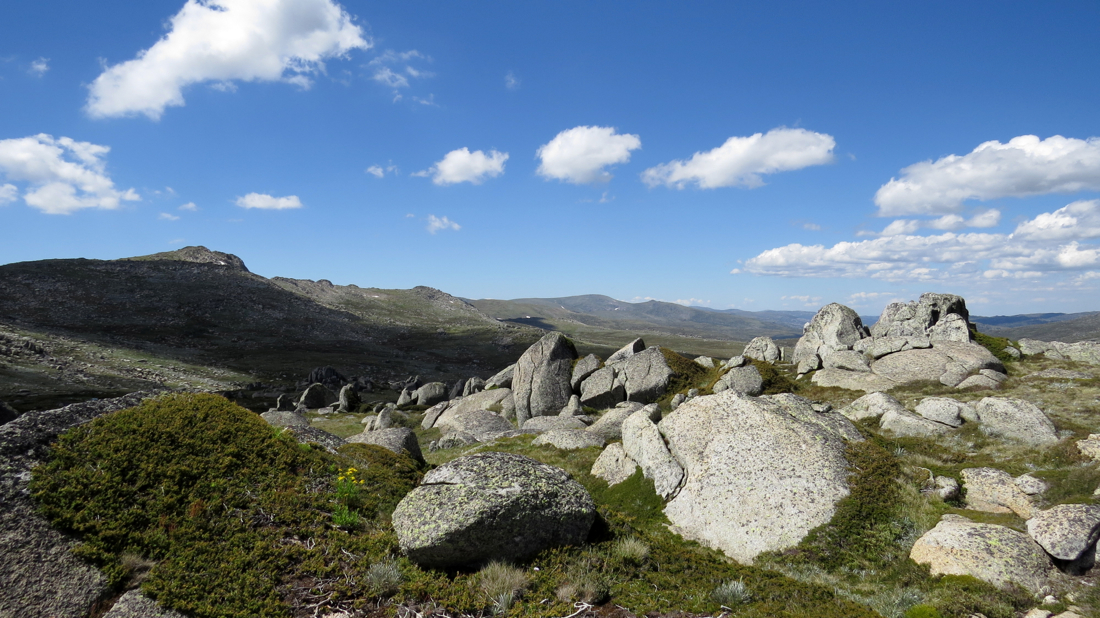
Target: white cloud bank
x,y
579,155
224,40
62,175
436,224
1025,166
948,223
741,161
1046,243
39,67
464,166
267,202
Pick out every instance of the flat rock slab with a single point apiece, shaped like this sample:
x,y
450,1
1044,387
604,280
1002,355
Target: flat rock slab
x,y
134,604
482,424
995,491
569,439
491,506
871,405
1066,531
541,424
998,555
853,380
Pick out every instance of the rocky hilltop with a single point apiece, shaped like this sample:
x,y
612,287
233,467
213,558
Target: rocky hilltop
x,y
911,468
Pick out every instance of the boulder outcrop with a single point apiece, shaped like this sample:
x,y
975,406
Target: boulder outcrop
x,y
834,328
763,349
614,465
1068,532
1017,420
643,443
397,439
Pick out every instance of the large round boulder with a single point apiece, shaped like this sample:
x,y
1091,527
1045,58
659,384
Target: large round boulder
x,y
491,506
834,328
541,384
757,476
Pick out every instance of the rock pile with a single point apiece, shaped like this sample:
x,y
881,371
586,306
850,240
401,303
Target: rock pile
x,y
925,340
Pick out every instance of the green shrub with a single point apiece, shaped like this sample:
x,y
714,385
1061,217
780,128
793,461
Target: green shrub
x,y
732,593
775,381
923,611
630,549
384,578
996,345
227,509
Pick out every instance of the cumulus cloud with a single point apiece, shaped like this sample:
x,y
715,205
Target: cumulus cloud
x,y
464,166
165,216
741,161
39,67
189,206
267,202
441,223
579,155
8,194
1076,221
394,69
62,174
219,41
1025,166
1049,242
511,82
949,223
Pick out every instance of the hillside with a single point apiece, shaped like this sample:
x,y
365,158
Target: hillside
x,y
1068,327
205,308
650,317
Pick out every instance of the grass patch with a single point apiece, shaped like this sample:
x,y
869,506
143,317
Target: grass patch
x,y
996,345
775,380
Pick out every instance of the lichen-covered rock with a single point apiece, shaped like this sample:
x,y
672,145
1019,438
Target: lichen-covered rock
x,y
614,465
1068,532
473,385
396,439
745,380
478,401
626,351
1017,420
762,349
542,424
871,405
1090,447
1030,485
853,380
584,368
491,506
646,375
643,443
602,389
482,424
1081,351
937,316
944,410
430,394
405,397
313,435
134,604
39,575
568,439
903,423
848,360
998,555
573,408
285,419
348,399
316,396
834,327
757,478
502,379
541,384
995,491
610,425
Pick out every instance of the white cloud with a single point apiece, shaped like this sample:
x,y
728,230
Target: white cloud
x,y
189,206
511,82
813,227
394,69
8,194
220,41
267,202
579,155
63,175
168,217
378,171
39,67
949,223
742,160
1024,166
441,223
1075,221
385,75
464,166
1049,242
692,302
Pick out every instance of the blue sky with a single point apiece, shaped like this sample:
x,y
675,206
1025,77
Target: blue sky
x,y
752,155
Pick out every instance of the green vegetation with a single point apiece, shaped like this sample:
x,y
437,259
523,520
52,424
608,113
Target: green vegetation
x,y
996,345
775,380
